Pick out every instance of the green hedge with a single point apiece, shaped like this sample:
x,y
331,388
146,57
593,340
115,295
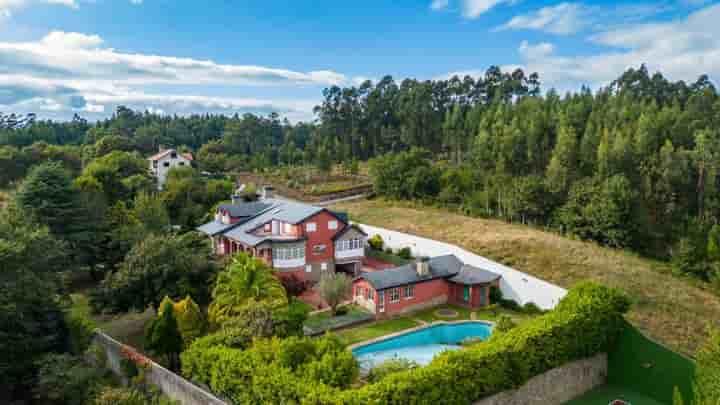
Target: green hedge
x,y
586,322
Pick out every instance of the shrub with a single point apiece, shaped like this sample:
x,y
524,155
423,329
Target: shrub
x,y
587,321
294,286
66,379
503,324
405,253
333,288
120,396
496,295
376,242
531,308
388,367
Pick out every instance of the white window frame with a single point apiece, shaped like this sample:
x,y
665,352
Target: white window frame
x,y
323,266
308,268
311,227
394,295
332,225
409,291
381,301
369,294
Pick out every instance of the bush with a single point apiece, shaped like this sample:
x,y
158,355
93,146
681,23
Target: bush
x,y
531,308
66,379
496,295
405,253
388,367
376,242
586,322
503,324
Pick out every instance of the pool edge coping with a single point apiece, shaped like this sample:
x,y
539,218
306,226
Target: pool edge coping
x,y
415,329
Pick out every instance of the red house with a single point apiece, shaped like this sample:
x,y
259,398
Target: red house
x,y
291,237
423,284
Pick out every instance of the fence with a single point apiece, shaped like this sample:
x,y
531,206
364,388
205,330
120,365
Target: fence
x,y
514,284
171,384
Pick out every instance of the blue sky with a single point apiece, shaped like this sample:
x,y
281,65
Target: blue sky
x,y
60,57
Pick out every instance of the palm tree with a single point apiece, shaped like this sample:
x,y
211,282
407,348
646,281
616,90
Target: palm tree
x,y
245,280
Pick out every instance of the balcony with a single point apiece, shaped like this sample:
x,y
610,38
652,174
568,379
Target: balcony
x,y
288,263
349,253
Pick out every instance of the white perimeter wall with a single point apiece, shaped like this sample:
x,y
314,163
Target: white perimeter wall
x,y
514,284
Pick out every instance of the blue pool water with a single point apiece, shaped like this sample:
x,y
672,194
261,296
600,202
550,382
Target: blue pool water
x,y
422,345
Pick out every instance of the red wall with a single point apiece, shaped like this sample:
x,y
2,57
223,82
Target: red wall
x,y
321,236
424,292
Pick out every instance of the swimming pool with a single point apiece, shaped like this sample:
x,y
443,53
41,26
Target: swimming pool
x,y
421,345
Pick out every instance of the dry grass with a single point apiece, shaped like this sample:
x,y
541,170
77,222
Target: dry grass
x,y
668,309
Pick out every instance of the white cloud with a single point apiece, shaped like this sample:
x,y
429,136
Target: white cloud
x,y
563,18
67,72
9,7
75,56
474,8
568,18
682,49
439,4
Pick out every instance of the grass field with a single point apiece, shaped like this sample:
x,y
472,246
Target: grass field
x,y
375,329
668,309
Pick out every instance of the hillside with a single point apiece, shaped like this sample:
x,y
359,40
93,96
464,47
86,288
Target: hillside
x,y
668,309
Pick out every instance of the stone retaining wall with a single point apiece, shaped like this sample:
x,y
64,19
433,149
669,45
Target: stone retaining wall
x,y
557,386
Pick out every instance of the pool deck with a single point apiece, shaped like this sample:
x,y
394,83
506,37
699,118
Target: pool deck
x,y
415,329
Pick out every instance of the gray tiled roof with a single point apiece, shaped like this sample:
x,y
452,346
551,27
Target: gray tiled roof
x,y
265,211
247,209
440,267
470,275
448,266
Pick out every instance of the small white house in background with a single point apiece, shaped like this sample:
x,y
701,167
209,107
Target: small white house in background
x,y
166,159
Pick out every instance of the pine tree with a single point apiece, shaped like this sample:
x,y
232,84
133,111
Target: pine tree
x,y
163,337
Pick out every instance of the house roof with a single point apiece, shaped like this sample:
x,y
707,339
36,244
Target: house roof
x,y
346,229
470,275
166,152
247,209
448,266
439,267
257,214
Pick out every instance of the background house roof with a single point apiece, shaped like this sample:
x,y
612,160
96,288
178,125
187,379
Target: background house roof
x,y
247,209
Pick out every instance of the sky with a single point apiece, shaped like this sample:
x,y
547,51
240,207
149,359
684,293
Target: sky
x,y
64,57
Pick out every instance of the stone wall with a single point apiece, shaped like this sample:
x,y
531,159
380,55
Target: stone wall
x,y
556,386
171,384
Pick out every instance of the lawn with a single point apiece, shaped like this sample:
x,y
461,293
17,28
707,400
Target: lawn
x,y
669,309
430,316
607,393
375,330
387,257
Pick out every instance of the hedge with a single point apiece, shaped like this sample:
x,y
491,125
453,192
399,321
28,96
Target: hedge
x,y
586,322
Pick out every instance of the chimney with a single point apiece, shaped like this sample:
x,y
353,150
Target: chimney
x,y
422,267
268,192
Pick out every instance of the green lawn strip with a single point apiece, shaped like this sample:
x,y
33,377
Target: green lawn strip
x,y
605,394
429,315
325,321
375,330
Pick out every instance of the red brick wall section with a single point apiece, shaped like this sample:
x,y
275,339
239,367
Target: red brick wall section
x,y
321,236
423,292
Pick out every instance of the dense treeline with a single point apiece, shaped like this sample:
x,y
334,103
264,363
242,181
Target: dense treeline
x,y
632,165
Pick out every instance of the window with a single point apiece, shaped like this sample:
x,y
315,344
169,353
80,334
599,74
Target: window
x,y
318,249
288,253
166,164
182,163
381,301
369,294
323,266
308,269
173,155
350,244
155,162
358,291
332,225
311,227
287,228
395,295
408,291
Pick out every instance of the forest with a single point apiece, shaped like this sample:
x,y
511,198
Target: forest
x,y
632,165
